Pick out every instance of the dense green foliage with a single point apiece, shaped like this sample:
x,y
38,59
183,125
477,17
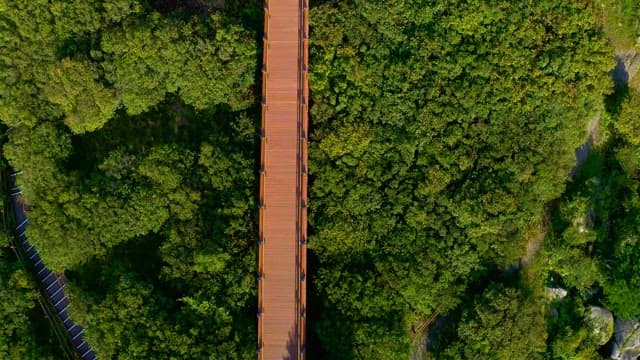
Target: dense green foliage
x,y
440,131
84,59
134,125
592,248
24,333
619,213
620,19
591,251
502,323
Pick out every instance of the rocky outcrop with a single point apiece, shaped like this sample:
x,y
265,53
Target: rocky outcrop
x,y
556,293
600,321
626,341
586,223
627,66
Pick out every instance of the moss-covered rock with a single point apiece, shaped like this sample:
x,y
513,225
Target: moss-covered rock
x,y
600,321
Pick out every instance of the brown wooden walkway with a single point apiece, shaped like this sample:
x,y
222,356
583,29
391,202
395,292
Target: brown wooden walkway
x,y
283,182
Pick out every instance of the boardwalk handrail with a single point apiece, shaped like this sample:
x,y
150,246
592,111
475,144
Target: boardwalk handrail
x,y
302,175
50,284
261,239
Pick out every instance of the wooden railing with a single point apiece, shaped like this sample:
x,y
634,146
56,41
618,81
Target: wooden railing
x,y
261,200
303,175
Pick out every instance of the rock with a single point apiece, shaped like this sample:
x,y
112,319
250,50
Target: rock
x,y
626,340
556,293
600,321
586,223
628,64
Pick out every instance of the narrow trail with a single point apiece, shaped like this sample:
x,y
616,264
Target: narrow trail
x,y
628,64
534,243
582,154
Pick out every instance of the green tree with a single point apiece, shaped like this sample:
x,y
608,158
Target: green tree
x,y
503,323
439,131
207,63
24,332
75,86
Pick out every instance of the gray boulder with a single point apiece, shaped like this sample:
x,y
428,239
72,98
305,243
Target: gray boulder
x,y
556,293
626,340
628,64
600,321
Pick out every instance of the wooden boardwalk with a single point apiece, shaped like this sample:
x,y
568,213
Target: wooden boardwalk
x,y
283,182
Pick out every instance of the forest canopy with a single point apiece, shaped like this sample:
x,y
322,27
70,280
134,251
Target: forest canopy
x,y
443,138
133,123
440,131
24,334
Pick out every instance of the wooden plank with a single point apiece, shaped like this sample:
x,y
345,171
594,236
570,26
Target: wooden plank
x,y
282,256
